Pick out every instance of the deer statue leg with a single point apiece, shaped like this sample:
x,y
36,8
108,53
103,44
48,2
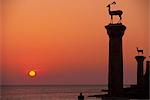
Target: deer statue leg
x,y
120,19
111,19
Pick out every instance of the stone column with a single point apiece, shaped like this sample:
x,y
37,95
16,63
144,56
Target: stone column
x,y
140,71
115,77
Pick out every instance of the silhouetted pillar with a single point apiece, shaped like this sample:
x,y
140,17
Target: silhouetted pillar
x,y
147,67
140,71
115,77
147,78
147,71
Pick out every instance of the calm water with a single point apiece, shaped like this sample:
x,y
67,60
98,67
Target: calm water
x,y
49,92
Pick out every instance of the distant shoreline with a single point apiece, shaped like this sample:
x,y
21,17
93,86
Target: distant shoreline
x,y
57,85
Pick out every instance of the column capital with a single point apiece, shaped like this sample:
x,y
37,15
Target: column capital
x,y
115,30
140,58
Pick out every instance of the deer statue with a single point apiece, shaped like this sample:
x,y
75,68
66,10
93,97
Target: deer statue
x,y
139,51
114,13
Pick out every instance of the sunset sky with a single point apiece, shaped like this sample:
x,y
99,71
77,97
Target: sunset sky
x,y
65,40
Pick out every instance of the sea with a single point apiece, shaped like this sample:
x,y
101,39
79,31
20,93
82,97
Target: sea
x,y
50,92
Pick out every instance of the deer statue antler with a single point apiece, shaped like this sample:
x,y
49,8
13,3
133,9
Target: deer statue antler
x,y
113,2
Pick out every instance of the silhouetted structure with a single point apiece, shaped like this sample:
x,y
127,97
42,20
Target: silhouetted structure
x,y
115,33
115,77
140,70
146,79
140,91
115,74
80,97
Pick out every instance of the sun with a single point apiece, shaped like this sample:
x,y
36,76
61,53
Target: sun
x,y
32,73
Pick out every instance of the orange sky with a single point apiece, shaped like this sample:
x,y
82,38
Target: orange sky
x,y
65,40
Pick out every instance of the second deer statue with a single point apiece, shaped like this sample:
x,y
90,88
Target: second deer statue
x,y
139,51
114,13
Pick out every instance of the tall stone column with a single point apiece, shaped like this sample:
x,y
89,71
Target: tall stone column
x,y
147,79
140,71
115,77
147,67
